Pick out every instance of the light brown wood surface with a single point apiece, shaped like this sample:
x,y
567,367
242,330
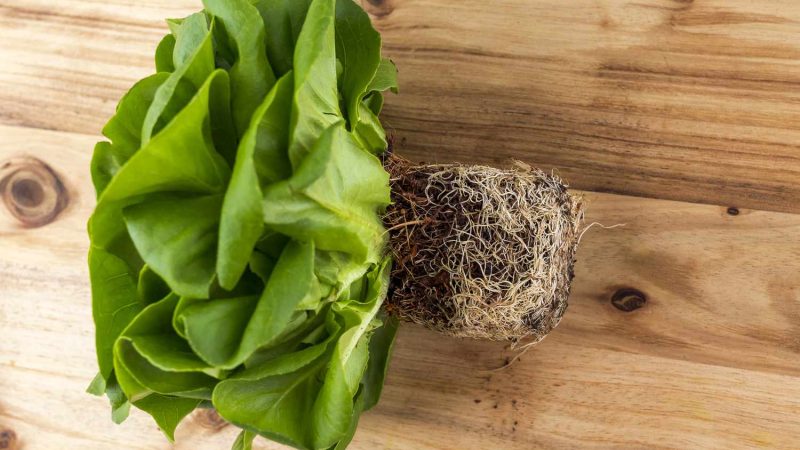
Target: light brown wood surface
x,y
712,358
623,96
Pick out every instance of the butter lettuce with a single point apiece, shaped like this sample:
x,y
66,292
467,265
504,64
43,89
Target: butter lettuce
x,y
237,254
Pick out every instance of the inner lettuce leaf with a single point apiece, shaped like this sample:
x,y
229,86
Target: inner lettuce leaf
x,y
237,259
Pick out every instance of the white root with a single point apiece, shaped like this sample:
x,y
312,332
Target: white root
x,y
481,252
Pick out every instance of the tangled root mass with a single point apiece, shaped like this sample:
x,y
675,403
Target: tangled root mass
x,y
480,252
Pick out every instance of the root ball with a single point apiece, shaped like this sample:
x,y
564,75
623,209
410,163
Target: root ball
x,y
480,252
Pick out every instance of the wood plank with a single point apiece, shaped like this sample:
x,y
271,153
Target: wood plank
x,y
66,68
686,100
710,360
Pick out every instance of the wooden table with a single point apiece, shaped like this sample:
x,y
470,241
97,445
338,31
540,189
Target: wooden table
x,y
679,118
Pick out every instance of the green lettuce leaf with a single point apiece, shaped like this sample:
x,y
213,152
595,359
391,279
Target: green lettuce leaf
x,y
244,441
316,98
274,397
139,376
325,202
358,49
385,78
251,74
120,406
283,21
151,287
260,159
194,61
124,131
237,256
380,352
167,411
226,332
115,303
367,127
368,130
177,238
164,51
182,158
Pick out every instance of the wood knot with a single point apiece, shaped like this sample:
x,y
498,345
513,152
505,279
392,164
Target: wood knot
x,y
209,418
8,439
378,8
628,299
32,191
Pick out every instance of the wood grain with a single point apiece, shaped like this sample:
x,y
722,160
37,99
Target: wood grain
x,y
623,96
676,99
710,360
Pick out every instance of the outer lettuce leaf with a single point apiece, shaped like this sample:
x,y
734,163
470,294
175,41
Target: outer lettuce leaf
x,y
367,128
261,158
167,411
335,405
363,72
187,380
251,74
316,98
139,376
380,352
182,158
358,49
244,441
164,53
177,237
283,21
151,287
276,406
333,198
103,166
114,303
358,408
385,78
274,397
226,332
151,379
124,130
97,386
120,406
191,38
194,62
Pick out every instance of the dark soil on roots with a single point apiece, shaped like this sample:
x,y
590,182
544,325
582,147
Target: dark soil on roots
x,y
480,252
